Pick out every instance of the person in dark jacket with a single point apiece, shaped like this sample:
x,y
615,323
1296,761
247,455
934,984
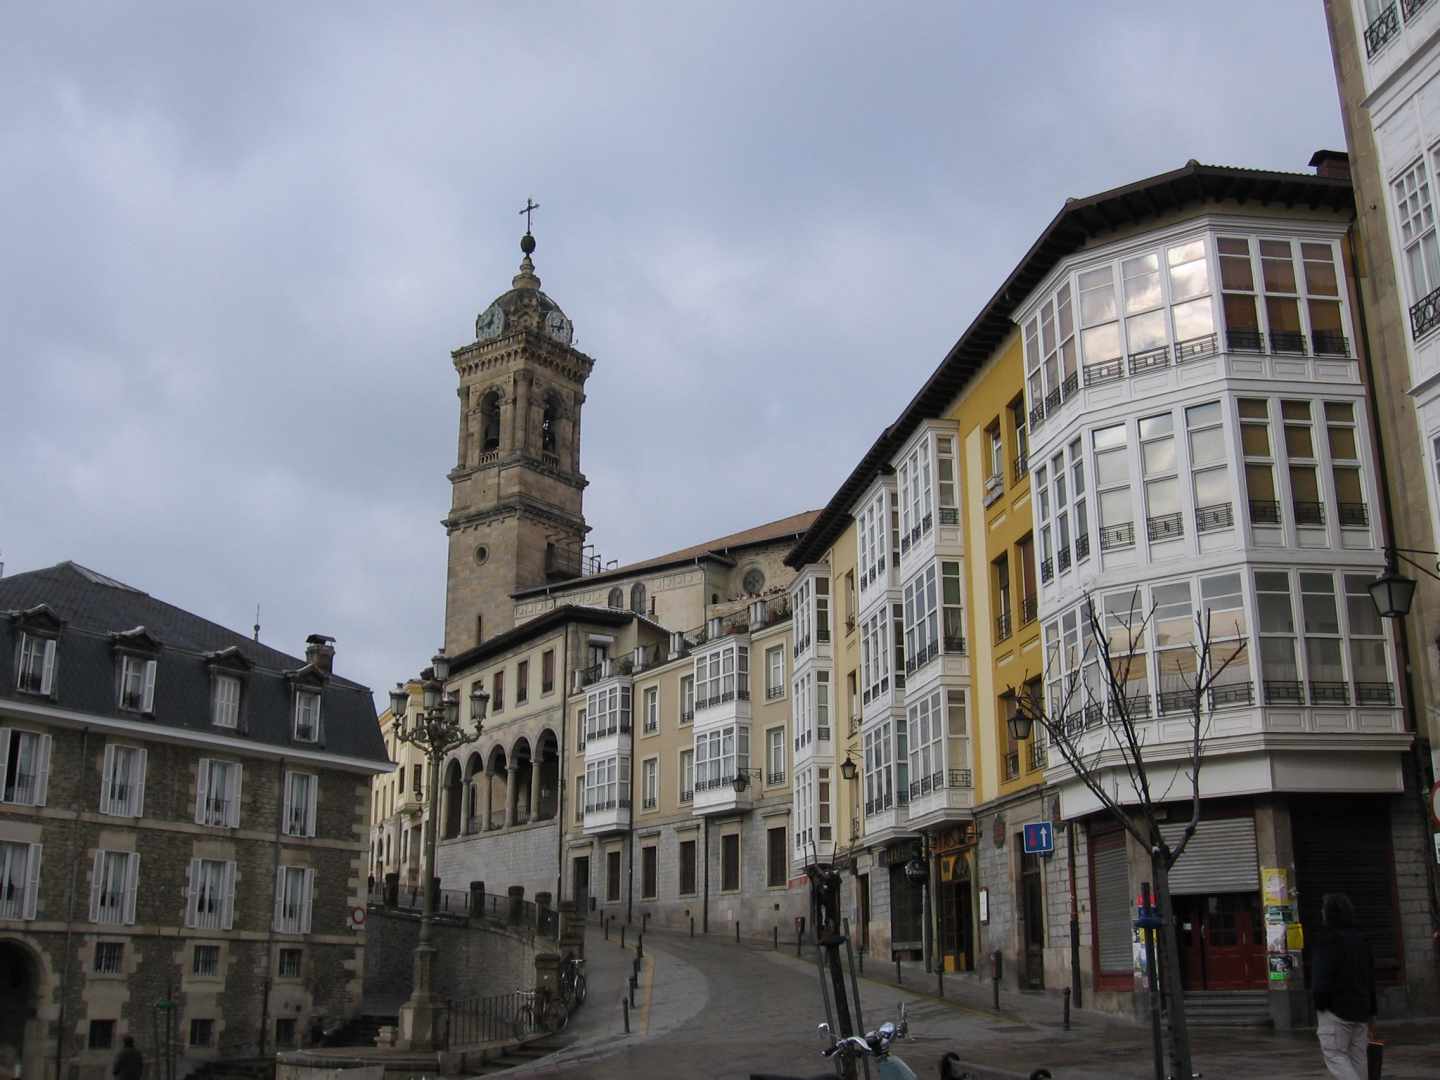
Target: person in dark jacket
x,y
1343,982
129,1065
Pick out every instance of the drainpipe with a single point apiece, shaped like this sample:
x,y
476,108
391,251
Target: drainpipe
x,y
270,934
69,910
630,828
1403,640
705,859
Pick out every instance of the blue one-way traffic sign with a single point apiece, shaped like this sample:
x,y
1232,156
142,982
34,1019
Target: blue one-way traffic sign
x,y
1040,838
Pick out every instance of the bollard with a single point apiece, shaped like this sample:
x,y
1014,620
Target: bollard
x,y
625,1004
737,933
622,935
636,967
692,925
640,945
996,986
777,939
605,926
940,978
899,981
644,921
1066,993
799,934
632,991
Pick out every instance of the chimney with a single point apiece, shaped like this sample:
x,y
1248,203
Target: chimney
x,y
677,644
1334,164
320,651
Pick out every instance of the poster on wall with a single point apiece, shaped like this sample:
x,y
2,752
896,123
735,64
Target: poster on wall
x,y
1284,936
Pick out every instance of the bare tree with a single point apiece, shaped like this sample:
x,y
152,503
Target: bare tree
x,y
1095,710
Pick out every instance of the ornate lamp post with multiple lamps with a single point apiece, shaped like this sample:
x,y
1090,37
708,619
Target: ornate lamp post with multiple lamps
x,y
436,731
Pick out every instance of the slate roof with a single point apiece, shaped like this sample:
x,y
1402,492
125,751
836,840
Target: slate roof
x,y
95,607
793,526
1076,222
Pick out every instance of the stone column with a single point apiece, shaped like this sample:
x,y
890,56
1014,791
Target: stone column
x,y
575,432
1275,847
462,458
489,791
512,802
522,411
517,904
534,790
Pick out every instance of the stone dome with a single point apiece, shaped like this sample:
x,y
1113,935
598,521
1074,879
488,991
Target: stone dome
x,y
524,307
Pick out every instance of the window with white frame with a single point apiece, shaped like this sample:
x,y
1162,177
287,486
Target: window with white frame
x,y
1145,330
19,880
24,767
1415,218
1159,467
607,711
217,793
873,538
1209,468
1050,353
1060,493
1292,307
294,890
113,881
722,675
957,735
824,828
1343,444
801,622
1258,451
1100,343
822,609
301,790
775,672
946,489
652,709
1369,665
917,496
1078,508
602,785
650,783
775,755
687,775
1172,622
1192,309
1112,486
687,698
211,901
875,655
996,456
803,700
122,785
822,705
804,831
1123,616
225,701
1222,606
1279,672
922,630
1300,454
926,752
1040,485
1324,648
137,684
307,716
879,777
35,673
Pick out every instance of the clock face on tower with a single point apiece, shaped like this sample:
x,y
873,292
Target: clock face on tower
x,y
490,323
559,327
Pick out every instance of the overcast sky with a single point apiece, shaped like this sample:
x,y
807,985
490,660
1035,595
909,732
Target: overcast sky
x,y
238,242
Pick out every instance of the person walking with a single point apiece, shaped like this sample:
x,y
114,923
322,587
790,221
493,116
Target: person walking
x,y
129,1065
1344,986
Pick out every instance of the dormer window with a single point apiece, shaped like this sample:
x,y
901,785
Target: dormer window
x,y
137,684
35,673
307,716
225,702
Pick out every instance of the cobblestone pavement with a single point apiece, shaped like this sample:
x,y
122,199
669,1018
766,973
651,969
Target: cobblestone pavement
x,y
708,1008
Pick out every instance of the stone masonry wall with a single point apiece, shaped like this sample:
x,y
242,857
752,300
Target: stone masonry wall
x,y
472,960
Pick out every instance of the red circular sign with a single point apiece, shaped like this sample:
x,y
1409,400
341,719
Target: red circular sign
x,y
357,916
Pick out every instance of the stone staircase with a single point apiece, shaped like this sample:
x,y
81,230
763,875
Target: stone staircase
x,y
1227,1008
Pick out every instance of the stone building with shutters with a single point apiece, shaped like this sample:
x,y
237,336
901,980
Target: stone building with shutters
x,y
182,819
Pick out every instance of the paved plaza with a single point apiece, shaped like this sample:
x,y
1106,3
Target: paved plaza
x,y
708,1008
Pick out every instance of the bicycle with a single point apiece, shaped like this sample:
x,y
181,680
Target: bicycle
x,y
573,985
539,1012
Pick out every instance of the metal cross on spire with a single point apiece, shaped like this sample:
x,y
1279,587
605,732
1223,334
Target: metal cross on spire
x,y
530,207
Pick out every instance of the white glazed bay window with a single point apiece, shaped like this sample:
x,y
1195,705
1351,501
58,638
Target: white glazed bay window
x,y
607,784
939,742
722,675
720,755
932,601
926,480
1415,221
607,711
814,827
810,601
872,539
812,708
887,767
875,654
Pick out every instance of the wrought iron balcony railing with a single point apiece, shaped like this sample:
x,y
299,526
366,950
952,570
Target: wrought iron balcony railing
x,y
1029,609
1287,341
1384,27
1309,513
1082,546
1210,518
1165,527
1425,314
1284,692
1264,511
1329,693
1245,340
1062,559
1047,569
1196,348
1330,343
1374,693
1117,536
1232,694
1354,514
1012,764
1150,360
1105,371
1019,468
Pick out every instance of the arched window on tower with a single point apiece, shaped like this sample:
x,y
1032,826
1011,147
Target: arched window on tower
x,y
637,598
490,422
617,597
549,423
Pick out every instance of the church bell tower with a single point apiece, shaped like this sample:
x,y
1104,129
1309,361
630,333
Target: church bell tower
x,y
516,518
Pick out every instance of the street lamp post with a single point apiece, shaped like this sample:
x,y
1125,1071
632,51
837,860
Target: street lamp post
x,y
436,731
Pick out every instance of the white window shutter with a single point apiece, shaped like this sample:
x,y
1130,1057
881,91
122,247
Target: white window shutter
x,y
137,803
310,820
192,890
202,789
280,879
4,755
149,703
132,881
232,805
42,768
107,780
227,897
288,817
307,893
96,884
47,675
32,884
319,718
